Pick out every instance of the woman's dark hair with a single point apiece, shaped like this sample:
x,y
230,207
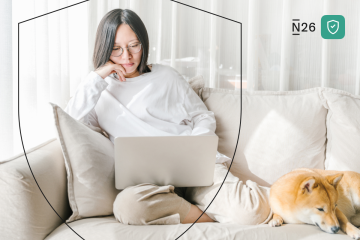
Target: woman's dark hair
x,y
105,37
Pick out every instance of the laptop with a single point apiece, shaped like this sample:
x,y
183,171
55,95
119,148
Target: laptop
x,y
181,161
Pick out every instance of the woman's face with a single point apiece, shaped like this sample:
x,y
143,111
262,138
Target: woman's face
x,y
125,37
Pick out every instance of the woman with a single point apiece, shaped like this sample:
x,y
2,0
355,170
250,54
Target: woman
x,y
126,97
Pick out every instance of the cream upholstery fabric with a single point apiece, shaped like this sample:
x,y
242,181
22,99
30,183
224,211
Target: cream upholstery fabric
x,y
280,131
343,125
24,212
108,228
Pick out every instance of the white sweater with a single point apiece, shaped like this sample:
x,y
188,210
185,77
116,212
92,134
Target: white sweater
x,y
160,102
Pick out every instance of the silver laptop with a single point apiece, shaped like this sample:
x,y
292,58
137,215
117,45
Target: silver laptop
x,y
181,161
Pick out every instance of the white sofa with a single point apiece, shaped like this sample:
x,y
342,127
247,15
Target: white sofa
x,y
280,131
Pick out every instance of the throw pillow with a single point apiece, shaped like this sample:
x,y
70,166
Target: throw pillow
x,y
280,131
197,83
89,162
343,130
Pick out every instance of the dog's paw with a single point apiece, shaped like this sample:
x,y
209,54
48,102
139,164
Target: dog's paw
x,y
275,223
353,232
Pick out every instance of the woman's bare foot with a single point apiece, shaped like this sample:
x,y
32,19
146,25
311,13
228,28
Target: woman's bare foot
x,y
194,214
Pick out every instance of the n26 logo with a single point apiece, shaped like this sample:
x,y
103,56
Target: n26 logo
x,y
298,27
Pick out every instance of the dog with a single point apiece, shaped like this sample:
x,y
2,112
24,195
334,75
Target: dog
x,y
325,198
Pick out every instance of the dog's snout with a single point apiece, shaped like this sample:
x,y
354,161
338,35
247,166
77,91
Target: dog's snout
x,y
335,229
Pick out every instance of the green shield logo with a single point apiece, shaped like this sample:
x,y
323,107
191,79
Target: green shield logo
x,y
333,26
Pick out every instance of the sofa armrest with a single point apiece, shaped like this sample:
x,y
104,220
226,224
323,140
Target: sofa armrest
x,y
24,212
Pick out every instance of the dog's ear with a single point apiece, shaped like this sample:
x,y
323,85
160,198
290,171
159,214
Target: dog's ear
x,y
334,179
308,184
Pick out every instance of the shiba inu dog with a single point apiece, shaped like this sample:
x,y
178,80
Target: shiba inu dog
x,y
328,199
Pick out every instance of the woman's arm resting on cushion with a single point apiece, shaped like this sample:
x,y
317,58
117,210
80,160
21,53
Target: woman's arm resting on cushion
x,y
201,119
204,124
81,105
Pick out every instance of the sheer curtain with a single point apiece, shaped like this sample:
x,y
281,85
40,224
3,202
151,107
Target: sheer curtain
x,y
6,94
53,58
56,50
277,60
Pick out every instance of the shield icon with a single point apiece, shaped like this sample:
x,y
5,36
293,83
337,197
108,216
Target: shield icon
x,y
333,26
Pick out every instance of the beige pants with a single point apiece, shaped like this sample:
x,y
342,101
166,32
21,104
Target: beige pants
x,y
236,202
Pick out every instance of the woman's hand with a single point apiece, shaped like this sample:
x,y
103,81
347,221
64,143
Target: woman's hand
x,y
109,68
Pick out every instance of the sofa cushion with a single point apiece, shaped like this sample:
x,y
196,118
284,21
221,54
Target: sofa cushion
x,y
280,131
89,162
343,130
108,228
24,212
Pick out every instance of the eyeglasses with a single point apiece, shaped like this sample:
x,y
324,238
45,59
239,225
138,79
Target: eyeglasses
x,y
133,48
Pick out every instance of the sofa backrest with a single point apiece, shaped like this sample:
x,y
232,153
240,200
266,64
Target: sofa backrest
x,y
280,131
